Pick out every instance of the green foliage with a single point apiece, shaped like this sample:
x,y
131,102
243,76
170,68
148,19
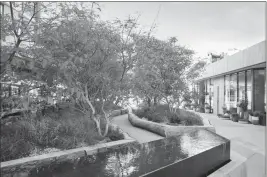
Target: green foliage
x,y
159,72
73,54
195,70
189,118
64,129
257,113
161,113
243,104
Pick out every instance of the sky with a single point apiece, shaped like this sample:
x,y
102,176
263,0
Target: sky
x,y
202,26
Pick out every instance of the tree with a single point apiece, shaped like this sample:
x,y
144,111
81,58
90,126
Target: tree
x,y
161,71
195,70
82,50
19,31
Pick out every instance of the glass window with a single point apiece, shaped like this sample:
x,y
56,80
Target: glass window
x,y
259,92
233,90
211,93
241,86
249,88
227,91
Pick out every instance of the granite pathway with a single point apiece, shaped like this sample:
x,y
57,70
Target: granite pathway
x,y
139,134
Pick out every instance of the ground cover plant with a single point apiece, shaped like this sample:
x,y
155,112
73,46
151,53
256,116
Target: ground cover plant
x,y
162,114
63,129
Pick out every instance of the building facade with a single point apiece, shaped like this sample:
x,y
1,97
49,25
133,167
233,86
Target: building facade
x,y
241,76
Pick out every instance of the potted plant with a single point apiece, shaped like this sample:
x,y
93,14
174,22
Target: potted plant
x,y
198,108
234,117
255,118
224,109
243,109
233,112
227,114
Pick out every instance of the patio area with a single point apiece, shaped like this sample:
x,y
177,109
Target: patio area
x,y
254,134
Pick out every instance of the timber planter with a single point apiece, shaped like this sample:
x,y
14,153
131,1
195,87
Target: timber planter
x,y
255,120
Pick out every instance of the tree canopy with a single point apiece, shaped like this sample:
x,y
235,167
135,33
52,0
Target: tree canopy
x,y
73,53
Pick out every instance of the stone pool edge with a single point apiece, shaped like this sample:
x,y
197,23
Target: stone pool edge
x,y
22,166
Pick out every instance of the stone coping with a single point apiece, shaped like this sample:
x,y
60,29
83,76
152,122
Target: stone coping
x,y
166,130
65,154
27,163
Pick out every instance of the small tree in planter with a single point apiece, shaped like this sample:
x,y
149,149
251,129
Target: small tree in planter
x,y
243,105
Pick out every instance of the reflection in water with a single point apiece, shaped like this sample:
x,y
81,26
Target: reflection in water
x,y
198,141
122,163
134,159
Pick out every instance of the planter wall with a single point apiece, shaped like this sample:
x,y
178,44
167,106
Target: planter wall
x,y
68,160
147,125
166,130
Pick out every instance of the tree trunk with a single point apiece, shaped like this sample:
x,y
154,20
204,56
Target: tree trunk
x,y
98,127
9,90
149,102
155,101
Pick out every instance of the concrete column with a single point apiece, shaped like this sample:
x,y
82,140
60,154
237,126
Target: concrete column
x,y
252,90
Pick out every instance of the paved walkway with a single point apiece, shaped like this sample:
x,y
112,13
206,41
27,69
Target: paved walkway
x,y
254,134
247,147
139,134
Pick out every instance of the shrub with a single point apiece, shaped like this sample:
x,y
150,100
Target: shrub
x,y
189,118
257,113
64,129
173,118
155,113
161,113
115,136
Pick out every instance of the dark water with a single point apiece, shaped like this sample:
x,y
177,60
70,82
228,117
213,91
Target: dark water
x,y
135,159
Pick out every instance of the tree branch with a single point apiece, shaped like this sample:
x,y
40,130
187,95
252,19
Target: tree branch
x,y
12,18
